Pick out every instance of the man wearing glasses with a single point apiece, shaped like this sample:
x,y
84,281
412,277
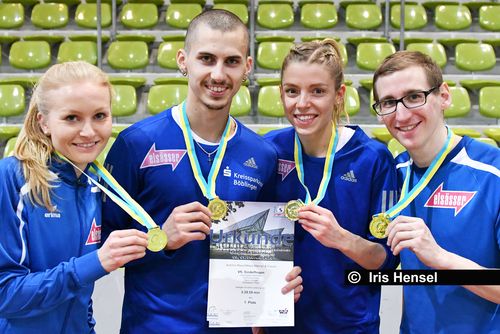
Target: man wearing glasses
x,y
454,220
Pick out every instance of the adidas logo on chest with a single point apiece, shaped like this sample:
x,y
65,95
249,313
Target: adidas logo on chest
x,y
349,177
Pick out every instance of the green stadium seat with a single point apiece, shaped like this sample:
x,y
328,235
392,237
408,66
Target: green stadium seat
x,y
275,14
382,134
351,101
452,17
460,103
272,51
179,15
434,50
318,14
395,147
167,51
460,131
12,100
366,83
139,15
415,16
25,3
128,55
50,15
86,15
489,17
242,103
9,147
488,141
30,55
135,82
161,97
493,133
370,55
269,102
102,156
474,84
365,16
124,101
8,131
237,7
474,57
452,42
73,51
11,15
489,102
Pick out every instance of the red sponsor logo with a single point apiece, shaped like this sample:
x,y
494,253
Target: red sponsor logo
x,y
449,199
285,167
162,157
94,234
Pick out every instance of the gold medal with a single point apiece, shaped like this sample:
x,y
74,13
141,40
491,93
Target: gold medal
x,y
292,209
378,225
218,208
157,239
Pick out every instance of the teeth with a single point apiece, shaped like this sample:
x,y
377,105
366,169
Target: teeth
x,y
304,117
407,128
216,88
87,145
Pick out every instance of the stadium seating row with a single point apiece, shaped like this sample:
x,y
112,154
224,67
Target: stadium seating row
x,y
133,55
274,14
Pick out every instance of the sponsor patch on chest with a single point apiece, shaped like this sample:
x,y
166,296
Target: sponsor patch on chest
x,y
285,167
156,158
94,236
449,199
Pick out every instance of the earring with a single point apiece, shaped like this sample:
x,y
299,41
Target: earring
x,y
245,77
184,72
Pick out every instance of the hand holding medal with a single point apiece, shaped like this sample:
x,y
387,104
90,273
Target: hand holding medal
x,y
380,222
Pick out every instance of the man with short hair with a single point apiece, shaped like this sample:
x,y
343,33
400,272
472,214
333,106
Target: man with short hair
x,y
166,292
454,220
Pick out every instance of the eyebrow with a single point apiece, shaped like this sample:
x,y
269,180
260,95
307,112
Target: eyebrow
x,y
405,93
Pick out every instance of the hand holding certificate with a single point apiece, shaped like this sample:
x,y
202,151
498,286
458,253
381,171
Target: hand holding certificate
x,y
251,252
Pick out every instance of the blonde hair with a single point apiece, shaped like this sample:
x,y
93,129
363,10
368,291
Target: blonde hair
x,y
324,52
33,147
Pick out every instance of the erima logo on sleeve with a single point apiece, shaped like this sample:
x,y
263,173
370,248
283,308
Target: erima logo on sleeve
x,y
285,167
156,157
94,236
449,199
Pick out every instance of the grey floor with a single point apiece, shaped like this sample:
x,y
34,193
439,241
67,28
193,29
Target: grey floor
x,y
108,296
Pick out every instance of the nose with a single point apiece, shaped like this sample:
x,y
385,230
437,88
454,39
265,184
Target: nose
x,y
87,129
217,73
402,112
303,101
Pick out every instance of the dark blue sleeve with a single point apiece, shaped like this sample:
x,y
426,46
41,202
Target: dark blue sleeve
x,y
384,194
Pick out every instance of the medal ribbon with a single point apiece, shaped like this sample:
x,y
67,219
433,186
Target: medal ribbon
x,y
122,198
207,186
407,197
327,170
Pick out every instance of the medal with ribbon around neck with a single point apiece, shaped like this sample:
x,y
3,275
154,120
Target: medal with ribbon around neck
x,y
380,222
157,238
293,206
217,207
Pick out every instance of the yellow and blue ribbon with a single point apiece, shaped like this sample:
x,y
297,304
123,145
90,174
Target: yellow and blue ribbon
x,y
327,169
207,186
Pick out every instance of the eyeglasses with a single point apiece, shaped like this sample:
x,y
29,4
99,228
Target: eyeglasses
x,y
410,101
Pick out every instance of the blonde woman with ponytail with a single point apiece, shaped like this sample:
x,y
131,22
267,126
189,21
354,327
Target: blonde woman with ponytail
x,y
51,212
346,178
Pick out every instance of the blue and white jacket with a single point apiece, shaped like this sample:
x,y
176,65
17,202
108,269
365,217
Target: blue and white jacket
x,y
48,260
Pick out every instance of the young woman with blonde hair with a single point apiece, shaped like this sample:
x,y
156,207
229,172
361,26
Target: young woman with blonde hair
x,y
339,178
51,211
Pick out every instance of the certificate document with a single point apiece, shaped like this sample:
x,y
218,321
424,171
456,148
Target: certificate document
x,y
251,252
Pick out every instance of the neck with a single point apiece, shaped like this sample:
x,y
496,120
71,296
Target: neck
x,y
207,123
316,145
423,156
